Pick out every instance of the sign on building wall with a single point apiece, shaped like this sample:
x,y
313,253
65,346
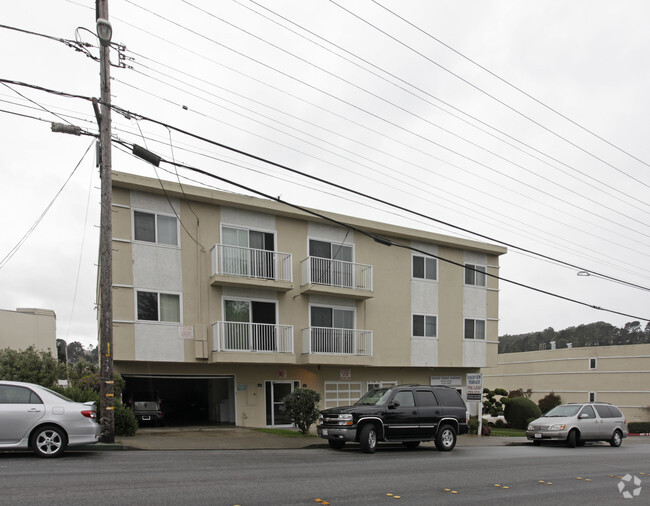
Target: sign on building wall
x,y
186,332
449,381
346,374
474,387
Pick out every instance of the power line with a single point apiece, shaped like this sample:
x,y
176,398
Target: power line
x,y
490,95
376,199
387,242
582,127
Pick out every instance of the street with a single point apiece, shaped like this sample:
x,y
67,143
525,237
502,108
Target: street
x,y
467,475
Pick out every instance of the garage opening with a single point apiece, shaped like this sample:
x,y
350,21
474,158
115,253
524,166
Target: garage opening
x,y
182,400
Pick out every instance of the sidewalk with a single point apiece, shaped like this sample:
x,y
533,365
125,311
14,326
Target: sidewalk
x,y
241,438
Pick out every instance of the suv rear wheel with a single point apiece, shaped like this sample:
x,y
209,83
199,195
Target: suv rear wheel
x,y
446,438
368,438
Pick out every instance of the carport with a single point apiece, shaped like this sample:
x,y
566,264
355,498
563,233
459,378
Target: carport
x,y
186,400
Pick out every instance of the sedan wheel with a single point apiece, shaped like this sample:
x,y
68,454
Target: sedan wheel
x,y
49,441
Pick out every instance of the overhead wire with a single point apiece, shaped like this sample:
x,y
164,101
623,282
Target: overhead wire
x,y
478,88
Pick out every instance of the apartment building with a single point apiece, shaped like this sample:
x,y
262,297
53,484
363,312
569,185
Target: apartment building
x,y
223,303
619,375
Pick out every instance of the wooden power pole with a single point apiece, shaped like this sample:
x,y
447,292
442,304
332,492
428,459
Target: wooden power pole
x,y
107,391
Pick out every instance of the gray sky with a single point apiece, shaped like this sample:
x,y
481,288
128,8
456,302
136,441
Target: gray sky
x,y
379,105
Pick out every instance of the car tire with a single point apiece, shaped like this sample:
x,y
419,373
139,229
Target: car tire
x,y
617,439
368,438
446,438
336,444
572,439
48,441
411,444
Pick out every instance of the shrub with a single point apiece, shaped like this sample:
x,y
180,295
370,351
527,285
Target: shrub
x,y
639,427
301,407
473,425
126,424
519,410
30,365
547,403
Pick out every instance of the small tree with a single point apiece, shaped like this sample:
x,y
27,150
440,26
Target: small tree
x,y
519,411
301,406
547,403
30,366
492,405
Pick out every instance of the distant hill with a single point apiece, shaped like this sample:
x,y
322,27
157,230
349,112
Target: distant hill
x,y
590,334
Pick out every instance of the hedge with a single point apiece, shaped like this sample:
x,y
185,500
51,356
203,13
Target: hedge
x,y
639,427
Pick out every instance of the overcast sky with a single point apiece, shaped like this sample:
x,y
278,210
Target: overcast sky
x,y
447,108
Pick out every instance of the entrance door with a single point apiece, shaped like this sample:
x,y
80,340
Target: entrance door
x,y
275,392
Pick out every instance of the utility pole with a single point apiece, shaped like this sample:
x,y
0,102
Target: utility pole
x,y
106,388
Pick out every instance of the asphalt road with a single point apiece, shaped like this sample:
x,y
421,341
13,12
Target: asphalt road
x,y
477,475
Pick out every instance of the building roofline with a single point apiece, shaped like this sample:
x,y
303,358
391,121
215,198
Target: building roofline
x,y
207,195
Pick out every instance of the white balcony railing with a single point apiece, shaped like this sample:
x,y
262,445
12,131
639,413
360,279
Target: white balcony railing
x,y
330,341
251,263
337,273
258,337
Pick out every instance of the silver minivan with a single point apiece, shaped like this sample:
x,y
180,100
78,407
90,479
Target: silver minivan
x,y
578,423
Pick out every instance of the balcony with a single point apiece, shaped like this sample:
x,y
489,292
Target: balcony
x,y
249,267
244,340
324,345
336,277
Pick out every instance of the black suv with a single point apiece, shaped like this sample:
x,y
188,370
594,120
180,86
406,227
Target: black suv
x,y
408,414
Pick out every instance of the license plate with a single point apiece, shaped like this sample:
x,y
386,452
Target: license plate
x,y
146,418
325,432
538,436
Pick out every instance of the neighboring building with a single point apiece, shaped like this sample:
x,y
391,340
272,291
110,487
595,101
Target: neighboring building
x,y
619,375
223,313
27,327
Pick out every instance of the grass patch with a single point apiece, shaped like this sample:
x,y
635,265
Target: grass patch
x,y
285,432
507,432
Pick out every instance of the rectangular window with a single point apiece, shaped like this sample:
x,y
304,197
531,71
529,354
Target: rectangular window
x,y
475,274
156,228
158,307
592,363
425,326
474,329
425,267
592,396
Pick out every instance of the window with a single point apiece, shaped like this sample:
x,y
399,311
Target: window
x,y
331,263
157,228
405,399
159,307
449,397
593,363
250,325
425,326
474,329
425,399
332,330
373,385
592,396
11,394
475,274
425,267
341,393
587,410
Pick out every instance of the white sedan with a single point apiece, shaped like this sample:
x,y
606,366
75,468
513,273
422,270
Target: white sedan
x,y
37,418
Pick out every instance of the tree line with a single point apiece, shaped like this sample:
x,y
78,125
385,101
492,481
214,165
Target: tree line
x,y
590,334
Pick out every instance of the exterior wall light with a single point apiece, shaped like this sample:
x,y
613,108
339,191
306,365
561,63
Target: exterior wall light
x,y
104,31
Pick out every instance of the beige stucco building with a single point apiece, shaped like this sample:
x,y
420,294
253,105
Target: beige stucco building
x,y
225,303
27,327
619,375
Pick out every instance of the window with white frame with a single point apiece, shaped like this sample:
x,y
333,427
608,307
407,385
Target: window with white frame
x,y
425,267
592,396
158,307
593,363
156,228
425,325
475,274
474,329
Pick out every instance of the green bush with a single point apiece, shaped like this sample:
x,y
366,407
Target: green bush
x,y
473,425
31,366
519,411
126,424
639,427
301,408
547,403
